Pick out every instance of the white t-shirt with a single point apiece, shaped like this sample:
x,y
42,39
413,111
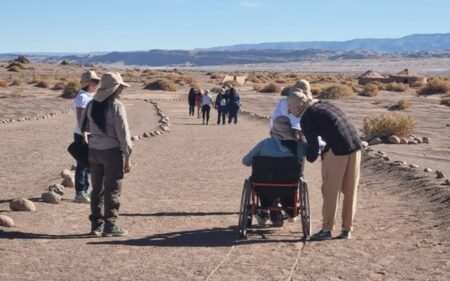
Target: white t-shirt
x,y
80,101
282,110
207,100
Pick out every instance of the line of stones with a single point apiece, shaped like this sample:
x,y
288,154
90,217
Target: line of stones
x,y
440,175
46,116
164,123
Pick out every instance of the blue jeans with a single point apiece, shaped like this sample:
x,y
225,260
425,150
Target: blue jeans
x,y
221,112
81,173
233,114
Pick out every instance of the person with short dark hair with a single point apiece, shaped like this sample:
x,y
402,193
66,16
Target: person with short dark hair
x,y
341,158
221,104
191,101
234,104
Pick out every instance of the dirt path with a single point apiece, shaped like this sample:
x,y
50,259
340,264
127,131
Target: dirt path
x,y
179,205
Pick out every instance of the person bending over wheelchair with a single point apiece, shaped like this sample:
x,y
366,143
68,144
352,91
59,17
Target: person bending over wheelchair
x,y
282,143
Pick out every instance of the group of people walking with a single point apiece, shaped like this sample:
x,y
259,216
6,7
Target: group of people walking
x,y
304,127
301,126
227,103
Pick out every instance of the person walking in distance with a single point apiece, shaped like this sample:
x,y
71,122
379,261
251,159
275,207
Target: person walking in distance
x,y
191,101
198,102
221,104
233,106
207,103
89,81
110,148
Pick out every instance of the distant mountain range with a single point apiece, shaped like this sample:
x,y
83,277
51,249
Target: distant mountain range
x,y
416,42
410,47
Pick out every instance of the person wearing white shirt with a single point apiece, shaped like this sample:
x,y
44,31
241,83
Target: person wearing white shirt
x,y
89,82
207,103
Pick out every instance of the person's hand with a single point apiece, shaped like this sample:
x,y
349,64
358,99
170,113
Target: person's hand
x,y
127,165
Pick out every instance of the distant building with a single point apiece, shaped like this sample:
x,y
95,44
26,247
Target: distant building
x,y
409,77
373,76
239,79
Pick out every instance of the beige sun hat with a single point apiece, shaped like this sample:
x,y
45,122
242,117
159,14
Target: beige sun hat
x,y
87,77
109,83
281,128
302,85
298,102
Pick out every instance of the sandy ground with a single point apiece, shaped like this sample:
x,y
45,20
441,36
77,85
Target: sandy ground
x,y
180,206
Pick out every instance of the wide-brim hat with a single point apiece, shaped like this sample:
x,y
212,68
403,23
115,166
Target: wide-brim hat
x,y
109,83
298,102
87,77
281,128
302,85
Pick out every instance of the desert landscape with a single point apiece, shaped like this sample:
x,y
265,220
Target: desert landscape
x,y
181,201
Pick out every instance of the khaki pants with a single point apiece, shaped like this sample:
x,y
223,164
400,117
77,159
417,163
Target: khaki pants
x,y
340,173
106,175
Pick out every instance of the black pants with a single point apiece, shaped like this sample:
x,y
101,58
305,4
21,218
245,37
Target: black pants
x,y
221,113
191,109
205,113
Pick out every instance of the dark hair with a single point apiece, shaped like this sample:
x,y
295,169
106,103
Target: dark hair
x,y
100,111
291,145
86,89
191,91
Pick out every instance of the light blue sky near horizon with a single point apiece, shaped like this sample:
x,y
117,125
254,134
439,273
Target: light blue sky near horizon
x,y
116,25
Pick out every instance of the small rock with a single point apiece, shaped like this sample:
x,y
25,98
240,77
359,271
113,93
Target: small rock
x,y
364,144
398,162
146,135
375,141
427,170
426,140
158,133
66,173
414,166
394,139
68,182
134,138
440,174
403,141
51,197
152,134
6,221
22,205
386,158
57,188
447,181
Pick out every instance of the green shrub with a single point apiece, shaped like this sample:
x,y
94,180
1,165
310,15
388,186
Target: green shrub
x,y
162,84
434,86
272,87
71,89
337,92
388,124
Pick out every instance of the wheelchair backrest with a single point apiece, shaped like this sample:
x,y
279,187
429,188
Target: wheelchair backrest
x,y
275,169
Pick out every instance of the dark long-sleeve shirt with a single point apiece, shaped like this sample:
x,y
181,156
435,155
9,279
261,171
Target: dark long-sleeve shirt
x,y
326,120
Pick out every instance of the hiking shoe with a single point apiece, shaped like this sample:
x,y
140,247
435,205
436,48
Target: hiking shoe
x,y
293,219
345,234
321,235
261,217
277,218
82,198
114,231
97,229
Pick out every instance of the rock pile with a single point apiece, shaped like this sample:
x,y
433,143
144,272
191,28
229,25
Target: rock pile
x,y
411,139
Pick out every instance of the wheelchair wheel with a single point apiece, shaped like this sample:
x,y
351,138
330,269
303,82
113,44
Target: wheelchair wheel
x,y
305,213
244,215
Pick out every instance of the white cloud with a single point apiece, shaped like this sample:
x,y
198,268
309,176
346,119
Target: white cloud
x,y
248,4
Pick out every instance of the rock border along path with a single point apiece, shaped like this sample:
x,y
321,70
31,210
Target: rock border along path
x,y
40,117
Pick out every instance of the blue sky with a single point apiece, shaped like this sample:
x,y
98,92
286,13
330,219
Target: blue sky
x,y
115,25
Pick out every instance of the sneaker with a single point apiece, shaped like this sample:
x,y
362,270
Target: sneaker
x,y
345,234
261,217
114,231
293,219
82,197
321,235
96,229
277,218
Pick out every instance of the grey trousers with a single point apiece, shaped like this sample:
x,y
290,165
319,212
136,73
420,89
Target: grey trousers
x,y
107,176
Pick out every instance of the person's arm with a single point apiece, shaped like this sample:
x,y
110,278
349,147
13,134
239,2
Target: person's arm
x,y
312,139
256,151
123,134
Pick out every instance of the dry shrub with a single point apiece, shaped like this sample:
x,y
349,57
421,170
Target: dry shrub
x,y
162,84
388,124
3,83
396,87
404,104
445,100
14,69
280,81
337,92
370,90
71,89
215,76
271,88
43,83
215,90
434,86
15,64
59,86
292,76
315,90
257,87
232,83
16,82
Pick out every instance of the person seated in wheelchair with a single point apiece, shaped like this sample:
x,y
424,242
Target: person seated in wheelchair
x,y
282,143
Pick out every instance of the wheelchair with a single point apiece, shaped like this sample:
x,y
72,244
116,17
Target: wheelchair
x,y
275,177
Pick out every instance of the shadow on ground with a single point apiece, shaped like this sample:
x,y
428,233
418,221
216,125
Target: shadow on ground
x,y
181,214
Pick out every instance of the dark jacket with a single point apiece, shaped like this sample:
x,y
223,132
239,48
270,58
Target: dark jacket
x,y
326,120
221,101
191,96
235,100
